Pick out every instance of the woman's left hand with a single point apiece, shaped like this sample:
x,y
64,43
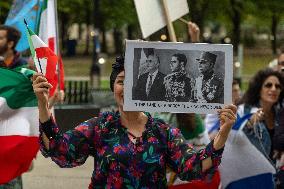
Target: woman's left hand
x,y
227,117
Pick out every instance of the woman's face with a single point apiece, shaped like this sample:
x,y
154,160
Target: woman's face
x,y
118,89
270,90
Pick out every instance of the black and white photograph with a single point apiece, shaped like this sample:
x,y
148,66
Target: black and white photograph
x,y
177,77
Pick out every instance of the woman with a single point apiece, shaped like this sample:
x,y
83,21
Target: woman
x,y
131,149
263,97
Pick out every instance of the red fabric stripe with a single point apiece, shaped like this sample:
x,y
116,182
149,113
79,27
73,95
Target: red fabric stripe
x,y
200,184
51,43
45,52
16,155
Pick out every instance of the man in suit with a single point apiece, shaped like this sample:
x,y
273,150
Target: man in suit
x,y
208,87
177,84
150,85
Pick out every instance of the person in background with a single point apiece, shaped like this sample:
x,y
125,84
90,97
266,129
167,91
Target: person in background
x,y
193,32
211,120
9,37
263,98
280,61
278,139
276,64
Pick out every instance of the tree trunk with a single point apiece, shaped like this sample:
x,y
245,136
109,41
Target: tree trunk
x,y
117,35
88,23
104,43
64,25
129,31
197,13
96,15
236,19
86,52
274,33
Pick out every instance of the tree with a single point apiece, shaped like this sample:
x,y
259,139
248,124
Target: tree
x,y
4,9
271,12
118,15
198,11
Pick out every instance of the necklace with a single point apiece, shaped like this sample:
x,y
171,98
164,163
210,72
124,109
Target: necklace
x,y
132,135
134,139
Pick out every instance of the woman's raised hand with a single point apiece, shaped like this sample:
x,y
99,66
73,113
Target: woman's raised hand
x,y
41,88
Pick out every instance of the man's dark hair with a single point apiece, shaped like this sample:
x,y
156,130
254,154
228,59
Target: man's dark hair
x,y
12,34
252,95
181,58
236,81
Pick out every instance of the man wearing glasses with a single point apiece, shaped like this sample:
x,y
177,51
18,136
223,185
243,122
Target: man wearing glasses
x,y
150,85
208,87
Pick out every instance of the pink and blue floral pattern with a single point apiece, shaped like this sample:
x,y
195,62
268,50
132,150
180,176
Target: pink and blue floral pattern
x,y
119,163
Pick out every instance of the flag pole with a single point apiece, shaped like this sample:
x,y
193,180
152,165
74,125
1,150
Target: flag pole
x,y
169,23
37,57
57,43
183,20
57,50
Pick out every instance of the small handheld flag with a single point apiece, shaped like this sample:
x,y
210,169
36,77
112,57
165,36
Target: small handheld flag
x,y
44,58
30,44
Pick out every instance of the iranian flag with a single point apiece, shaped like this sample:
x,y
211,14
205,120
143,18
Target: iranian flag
x,y
18,123
44,58
48,34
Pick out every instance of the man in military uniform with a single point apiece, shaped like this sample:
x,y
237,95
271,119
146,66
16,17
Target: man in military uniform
x,y
208,87
177,84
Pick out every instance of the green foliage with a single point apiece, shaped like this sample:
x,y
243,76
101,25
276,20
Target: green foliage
x,y
4,9
118,13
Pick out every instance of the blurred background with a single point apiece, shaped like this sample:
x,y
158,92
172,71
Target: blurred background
x,y
92,33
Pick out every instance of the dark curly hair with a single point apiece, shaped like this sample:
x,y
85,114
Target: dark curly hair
x,y
117,67
252,95
181,58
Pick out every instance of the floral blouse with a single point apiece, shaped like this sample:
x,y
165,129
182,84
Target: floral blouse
x,y
120,163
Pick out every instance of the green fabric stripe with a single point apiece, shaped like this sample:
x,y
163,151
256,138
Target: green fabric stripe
x,y
29,34
199,128
16,88
44,6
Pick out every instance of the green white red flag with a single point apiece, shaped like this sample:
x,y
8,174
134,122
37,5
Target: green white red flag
x,y
44,58
18,123
48,34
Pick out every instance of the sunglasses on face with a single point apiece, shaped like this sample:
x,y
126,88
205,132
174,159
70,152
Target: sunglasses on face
x,y
281,63
269,85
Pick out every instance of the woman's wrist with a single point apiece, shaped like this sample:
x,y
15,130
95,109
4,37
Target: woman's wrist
x,y
44,113
219,140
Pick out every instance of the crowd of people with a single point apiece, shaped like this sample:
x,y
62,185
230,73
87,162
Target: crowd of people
x,y
135,149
